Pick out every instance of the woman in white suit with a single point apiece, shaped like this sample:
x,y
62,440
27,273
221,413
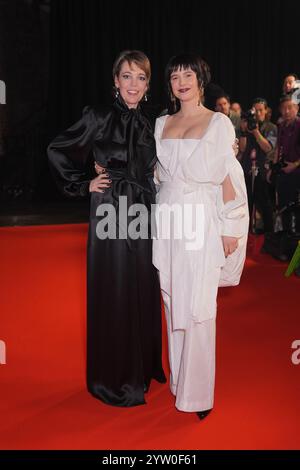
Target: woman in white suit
x,y
197,172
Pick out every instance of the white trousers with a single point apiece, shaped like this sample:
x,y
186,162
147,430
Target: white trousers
x,y
192,362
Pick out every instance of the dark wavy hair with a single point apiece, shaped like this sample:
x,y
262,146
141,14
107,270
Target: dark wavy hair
x,y
183,62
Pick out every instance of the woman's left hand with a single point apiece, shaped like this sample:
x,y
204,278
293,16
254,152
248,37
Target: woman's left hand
x,y
230,244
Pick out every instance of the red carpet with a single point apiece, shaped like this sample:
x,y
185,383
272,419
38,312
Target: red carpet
x,y
43,400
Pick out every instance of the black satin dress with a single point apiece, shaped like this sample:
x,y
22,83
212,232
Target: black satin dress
x,y
123,308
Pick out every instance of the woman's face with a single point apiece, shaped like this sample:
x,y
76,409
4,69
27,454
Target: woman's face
x,y
132,84
184,85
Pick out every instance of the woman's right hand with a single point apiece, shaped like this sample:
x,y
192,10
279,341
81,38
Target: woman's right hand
x,y
98,184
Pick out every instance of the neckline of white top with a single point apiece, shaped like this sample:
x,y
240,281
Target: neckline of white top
x,y
195,138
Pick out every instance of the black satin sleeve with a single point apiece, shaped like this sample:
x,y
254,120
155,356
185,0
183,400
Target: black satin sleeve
x,y
70,158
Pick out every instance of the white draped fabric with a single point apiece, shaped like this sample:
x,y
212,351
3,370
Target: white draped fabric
x,y
190,173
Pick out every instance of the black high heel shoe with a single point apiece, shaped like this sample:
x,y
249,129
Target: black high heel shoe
x,y
203,414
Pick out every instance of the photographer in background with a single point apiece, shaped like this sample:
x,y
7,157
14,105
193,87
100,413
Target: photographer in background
x,y
223,106
286,165
256,144
289,83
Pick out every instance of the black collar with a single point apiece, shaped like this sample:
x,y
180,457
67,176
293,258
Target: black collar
x,y
120,104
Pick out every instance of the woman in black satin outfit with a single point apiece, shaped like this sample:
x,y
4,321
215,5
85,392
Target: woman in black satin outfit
x,y
123,308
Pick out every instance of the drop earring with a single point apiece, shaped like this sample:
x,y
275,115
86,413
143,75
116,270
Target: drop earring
x,y
201,93
173,101
117,93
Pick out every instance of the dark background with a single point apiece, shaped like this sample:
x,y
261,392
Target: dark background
x,y
56,56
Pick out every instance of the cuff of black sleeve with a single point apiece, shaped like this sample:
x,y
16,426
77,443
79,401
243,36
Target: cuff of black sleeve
x,y
84,188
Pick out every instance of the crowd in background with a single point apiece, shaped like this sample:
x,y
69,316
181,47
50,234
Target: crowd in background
x,y
269,153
